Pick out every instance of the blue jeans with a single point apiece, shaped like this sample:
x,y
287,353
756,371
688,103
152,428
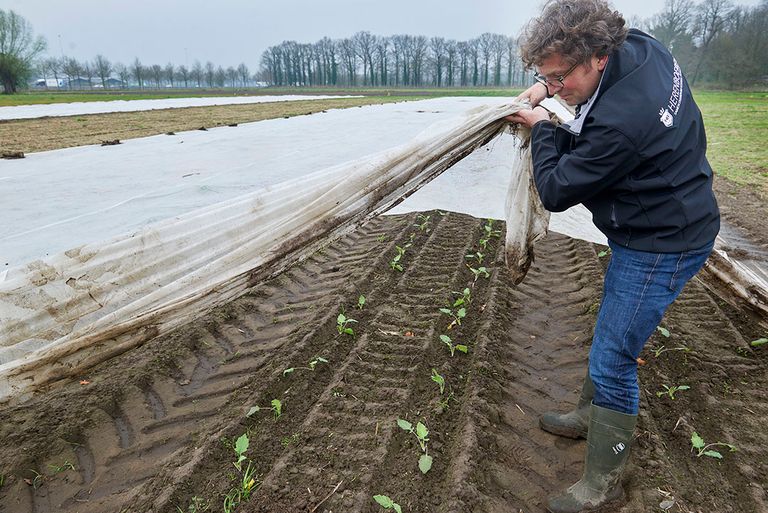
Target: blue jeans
x,y
638,288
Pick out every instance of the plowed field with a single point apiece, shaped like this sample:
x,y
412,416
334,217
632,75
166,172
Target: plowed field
x,y
155,429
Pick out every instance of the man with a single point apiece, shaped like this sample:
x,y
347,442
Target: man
x,y
635,157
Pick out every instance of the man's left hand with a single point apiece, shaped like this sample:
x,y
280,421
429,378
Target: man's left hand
x,y
529,117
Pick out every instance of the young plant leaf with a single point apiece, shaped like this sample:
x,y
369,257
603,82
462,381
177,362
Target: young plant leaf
x,y
713,454
241,445
462,348
383,501
759,342
425,463
664,332
696,441
286,372
253,410
421,431
405,425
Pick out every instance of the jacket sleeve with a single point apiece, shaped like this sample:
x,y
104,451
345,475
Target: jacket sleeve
x,y
601,157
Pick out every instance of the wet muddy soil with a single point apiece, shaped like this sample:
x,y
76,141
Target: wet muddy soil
x,y
156,429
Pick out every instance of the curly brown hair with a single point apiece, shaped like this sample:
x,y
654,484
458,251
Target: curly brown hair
x,y
574,29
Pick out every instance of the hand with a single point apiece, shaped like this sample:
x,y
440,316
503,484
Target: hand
x,y
529,118
534,94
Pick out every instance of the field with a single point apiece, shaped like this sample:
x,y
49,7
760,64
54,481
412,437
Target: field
x,y
172,426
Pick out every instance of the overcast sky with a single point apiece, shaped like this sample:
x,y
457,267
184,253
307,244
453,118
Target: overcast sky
x,y
228,32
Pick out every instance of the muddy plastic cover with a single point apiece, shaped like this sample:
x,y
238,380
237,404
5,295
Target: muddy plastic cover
x,y
70,311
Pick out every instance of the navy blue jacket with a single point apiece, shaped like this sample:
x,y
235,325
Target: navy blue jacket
x,y
638,163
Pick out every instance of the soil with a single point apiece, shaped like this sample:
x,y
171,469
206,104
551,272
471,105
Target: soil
x,y
154,429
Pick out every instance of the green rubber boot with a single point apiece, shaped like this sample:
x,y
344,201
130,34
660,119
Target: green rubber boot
x,y
608,442
573,424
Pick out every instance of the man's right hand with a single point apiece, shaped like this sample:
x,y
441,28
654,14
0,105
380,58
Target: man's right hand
x,y
534,94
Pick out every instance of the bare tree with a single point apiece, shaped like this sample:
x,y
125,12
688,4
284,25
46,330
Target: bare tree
x,y
197,73
137,70
437,46
232,76
349,60
419,45
243,73
123,74
710,20
52,66
156,72
220,76
486,50
364,45
498,47
182,74
672,24
170,73
18,49
210,74
73,71
451,53
382,59
103,69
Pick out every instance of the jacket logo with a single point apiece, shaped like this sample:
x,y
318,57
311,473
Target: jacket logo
x,y
618,448
666,117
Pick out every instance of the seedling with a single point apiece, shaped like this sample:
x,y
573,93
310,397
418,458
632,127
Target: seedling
x,y
421,433
342,325
361,302
310,366
198,505
465,299
444,403
57,469
659,350
702,449
423,223
241,445
480,271
453,348
387,503
759,342
489,231
670,391
37,481
290,440
477,256
381,237
604,253
247,480
664,332
483,243
276,408
395,262
440,380
457,315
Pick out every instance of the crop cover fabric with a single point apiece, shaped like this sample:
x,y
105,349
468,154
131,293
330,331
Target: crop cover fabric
x,y
72,310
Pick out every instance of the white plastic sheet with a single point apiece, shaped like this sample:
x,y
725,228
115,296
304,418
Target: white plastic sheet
x,y
84,108
69,311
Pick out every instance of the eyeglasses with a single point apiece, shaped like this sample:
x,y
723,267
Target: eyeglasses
x,y
557,81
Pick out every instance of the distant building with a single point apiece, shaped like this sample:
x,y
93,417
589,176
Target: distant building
x,y
49,83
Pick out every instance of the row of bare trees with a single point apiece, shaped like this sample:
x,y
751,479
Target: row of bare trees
x,y
366,59
101,72
715,41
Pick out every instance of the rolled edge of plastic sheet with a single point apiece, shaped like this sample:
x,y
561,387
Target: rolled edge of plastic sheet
x,y
736,283
68,312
